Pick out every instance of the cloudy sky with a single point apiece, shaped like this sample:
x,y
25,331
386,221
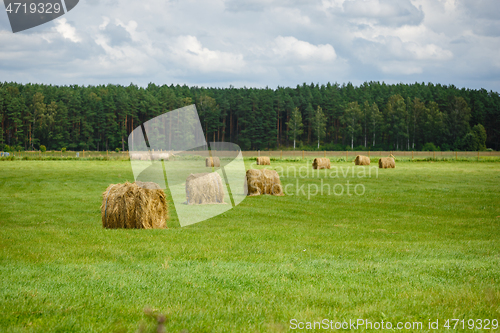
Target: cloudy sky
x,y
260,43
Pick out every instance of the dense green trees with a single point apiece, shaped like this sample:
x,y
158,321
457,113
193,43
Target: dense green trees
x,y
295,125
351,120
475,139
332,116
318,123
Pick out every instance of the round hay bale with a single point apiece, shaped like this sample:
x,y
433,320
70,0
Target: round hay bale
x,y
263,160
142,156
386,163
362,160
134,206
263,182
161,156
321,163
135,156
204,188
212,162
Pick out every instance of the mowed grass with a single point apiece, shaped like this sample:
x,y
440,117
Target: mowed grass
x,y
421,243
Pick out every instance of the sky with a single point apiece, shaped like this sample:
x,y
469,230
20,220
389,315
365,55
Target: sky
x,y
259,43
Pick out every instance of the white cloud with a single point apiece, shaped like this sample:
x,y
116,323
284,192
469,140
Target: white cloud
x,y
131,28
67,31
383,12
429,51
293,16
396,68
124,59
292,48
189,53
264,5
260,43
331,4
104,23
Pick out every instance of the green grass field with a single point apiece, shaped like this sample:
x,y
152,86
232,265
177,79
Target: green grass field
x,y
421,243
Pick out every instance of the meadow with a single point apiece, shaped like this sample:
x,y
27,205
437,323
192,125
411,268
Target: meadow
x,y
420,243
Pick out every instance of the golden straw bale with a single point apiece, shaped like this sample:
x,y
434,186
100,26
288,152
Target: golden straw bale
x,y
212,162
321,163
263,182
386,163
134,206
204,188
263,160
362,160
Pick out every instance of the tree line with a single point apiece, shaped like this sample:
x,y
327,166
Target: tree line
x,y
374,116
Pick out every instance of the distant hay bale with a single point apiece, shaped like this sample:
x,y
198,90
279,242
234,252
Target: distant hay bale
x,y
321,163
204,188
134,206
161,156
264,160
134,156
362,160
142,156
148,156
212,162
263,182
386,163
